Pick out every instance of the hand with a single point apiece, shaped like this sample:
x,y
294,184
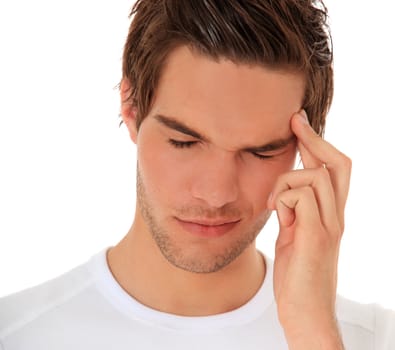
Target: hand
x,y
310,207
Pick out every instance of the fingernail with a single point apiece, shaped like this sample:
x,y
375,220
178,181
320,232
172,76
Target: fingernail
x,y
303,117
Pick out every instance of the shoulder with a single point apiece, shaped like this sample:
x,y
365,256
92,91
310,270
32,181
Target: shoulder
x,y
19,309
370,323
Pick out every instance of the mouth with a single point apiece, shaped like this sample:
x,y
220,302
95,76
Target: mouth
x,y
208,228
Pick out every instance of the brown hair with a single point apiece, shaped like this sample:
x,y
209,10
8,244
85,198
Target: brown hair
x,y
278,34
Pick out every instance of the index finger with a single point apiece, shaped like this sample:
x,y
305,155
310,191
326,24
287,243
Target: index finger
x,y
317,152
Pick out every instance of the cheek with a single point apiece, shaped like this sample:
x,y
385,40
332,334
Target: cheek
x,y
160,172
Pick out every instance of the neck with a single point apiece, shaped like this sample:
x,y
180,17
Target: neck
x,y
142,271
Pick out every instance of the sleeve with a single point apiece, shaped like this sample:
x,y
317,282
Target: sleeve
x,y
384,329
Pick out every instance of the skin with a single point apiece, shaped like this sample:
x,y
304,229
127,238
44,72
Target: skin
x,y
235,109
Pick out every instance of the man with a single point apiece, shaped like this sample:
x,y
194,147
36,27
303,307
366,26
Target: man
x,y
218,97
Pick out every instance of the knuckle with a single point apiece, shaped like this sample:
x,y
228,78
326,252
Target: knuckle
x,y
336,230
323,173
323,241
307,191
281,183
322,176
346,162
283,179
341,228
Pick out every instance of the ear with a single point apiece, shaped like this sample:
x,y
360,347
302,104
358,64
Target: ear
x,y
128,109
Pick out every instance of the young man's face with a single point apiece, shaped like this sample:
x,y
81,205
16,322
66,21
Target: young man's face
x,y
209,152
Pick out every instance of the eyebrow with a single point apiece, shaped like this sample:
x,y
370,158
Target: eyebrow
x,y
174,124
273,145
178,126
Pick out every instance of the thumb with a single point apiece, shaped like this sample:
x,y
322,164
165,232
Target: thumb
x,y
286,218
285,214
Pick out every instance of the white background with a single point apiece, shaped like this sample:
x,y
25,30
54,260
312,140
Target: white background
x,y
67,169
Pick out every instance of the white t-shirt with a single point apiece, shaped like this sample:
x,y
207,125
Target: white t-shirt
x,y
87,309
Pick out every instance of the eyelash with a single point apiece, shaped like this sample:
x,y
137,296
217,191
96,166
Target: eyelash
x,y
181,144
261,156
189,144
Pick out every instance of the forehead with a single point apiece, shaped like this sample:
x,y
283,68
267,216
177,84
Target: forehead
x,y
227,101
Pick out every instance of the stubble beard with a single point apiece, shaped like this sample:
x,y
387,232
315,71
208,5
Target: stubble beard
x,y
175,255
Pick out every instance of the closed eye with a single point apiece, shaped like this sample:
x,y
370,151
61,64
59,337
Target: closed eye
x,y
189,144
181,144
262,156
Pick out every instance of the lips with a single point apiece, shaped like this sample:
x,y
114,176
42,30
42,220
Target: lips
x,y
208,228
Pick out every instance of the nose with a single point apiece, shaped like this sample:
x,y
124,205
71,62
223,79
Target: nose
x,y
216,182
